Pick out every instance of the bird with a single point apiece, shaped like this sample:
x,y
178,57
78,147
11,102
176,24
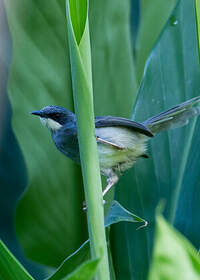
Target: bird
x,y
120,141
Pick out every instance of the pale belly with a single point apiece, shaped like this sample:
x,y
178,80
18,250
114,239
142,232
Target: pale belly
x,y
133,146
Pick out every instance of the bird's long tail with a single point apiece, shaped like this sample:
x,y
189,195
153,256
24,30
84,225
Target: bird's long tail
x,y
174,117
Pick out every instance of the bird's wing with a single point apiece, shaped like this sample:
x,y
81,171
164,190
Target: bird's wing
x,y
109,121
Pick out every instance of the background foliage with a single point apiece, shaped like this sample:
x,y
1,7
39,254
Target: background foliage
x,y
50,223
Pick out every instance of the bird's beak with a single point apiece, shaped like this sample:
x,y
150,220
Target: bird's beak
x,y
37,113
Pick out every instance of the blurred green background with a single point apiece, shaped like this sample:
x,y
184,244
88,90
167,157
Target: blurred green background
x,y
145,58
13,177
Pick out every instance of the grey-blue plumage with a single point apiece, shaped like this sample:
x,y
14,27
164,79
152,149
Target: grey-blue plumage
x,y
120,141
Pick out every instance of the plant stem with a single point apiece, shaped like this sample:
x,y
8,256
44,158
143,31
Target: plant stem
x,y
80,58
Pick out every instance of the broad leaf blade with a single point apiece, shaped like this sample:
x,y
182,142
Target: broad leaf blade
x,y
154,16
10,268
172,170
114,86
173,255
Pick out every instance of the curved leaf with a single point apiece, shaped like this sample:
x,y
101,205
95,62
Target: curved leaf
x,y
78,12
117,213
10,268
72,262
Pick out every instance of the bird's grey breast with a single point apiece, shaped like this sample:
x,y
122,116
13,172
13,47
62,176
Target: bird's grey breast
x,y
66,141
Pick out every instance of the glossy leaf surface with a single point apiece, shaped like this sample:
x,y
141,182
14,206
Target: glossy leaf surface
x,y
172,170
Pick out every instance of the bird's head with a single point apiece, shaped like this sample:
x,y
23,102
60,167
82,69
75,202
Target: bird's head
x,y
54,117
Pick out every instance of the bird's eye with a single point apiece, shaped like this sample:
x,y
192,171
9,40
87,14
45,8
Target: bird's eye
x,y
54,115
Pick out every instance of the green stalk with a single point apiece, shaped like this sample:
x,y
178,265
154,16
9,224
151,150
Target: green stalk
x,y
197,10
80,57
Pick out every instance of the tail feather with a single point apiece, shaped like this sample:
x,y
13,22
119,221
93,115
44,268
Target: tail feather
x,y
174,117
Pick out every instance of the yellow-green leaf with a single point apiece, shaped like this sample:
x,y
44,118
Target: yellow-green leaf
x,y
173,256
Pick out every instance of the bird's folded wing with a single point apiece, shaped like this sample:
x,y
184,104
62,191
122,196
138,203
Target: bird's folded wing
x,y
109,121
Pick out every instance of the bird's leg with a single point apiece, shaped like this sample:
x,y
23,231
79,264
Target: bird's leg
x,y
111,182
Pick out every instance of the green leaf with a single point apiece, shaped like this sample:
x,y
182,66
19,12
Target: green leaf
x,y
71,262
117,213
50,222
77,269
172,172
76,265
85,272
114,86
150,29
78,11
173,255
10,268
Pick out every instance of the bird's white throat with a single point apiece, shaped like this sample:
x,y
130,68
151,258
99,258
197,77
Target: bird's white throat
x,y
51,124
